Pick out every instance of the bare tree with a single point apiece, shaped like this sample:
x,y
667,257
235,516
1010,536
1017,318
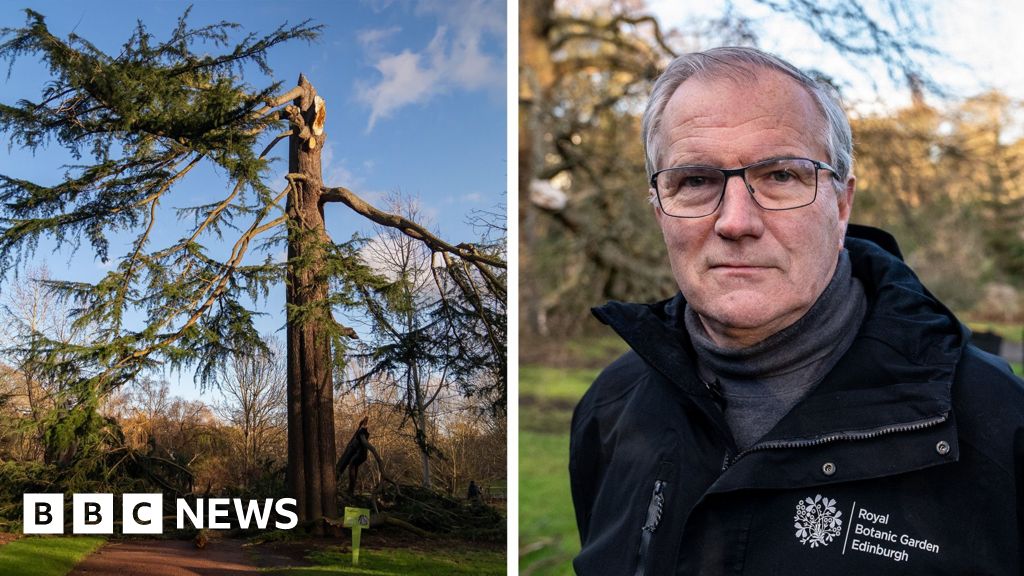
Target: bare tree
x,y
253,386
32,311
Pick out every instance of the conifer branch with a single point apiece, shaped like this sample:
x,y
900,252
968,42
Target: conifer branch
x,y
493,283
279,101
272,224
406,226
152,201
473,295
213,214
238,251
254,230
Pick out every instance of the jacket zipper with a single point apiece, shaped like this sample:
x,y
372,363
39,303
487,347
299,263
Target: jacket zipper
x,y
866,435
654,510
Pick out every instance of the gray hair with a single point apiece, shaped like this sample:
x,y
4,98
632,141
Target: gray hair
x,y
734,62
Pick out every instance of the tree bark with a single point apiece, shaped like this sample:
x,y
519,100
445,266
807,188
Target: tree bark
x,y
536,78
421,423
310,397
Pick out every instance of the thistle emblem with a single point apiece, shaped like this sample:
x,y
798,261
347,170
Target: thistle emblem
x,y
817,521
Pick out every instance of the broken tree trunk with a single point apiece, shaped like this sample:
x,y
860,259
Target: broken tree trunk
x,y
310,397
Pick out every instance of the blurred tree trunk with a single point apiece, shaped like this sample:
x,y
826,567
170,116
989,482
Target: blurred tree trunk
x,y
536,77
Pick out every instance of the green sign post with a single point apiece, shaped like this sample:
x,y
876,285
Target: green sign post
x,y
357,519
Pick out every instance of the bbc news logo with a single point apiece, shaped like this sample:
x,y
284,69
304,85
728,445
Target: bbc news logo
x,y
143,513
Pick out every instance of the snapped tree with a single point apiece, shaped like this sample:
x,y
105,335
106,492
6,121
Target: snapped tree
x,y
138,123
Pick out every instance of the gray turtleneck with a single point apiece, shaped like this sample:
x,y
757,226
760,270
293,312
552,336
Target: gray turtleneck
x,y
761,383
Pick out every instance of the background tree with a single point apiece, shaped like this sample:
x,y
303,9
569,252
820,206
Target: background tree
x,y
418,327
586,69
254,405
171,441
945,182
30,309
471,444
140,122
467,435
402,346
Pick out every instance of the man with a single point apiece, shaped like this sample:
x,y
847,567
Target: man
x,y
804,405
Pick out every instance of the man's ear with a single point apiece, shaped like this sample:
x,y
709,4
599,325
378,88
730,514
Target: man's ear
x,y
652,198
844,199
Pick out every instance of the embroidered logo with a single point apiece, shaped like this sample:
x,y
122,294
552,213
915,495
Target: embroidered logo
x,y
817,521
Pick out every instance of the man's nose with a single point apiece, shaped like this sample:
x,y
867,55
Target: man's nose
x,y
739,215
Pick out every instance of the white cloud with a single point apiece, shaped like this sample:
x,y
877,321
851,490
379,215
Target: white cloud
x,y
404,81
378,6
431,214
462,199
372,38
335,172
454,59
483,15
382,252
375,197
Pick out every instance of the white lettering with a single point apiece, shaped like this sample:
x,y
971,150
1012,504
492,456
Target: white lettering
x,y
143,513
217,508
920,544
873,532
253,509
873,517
196,516
879,550
282,511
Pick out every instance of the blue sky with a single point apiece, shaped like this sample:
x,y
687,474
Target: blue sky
x,y
415,95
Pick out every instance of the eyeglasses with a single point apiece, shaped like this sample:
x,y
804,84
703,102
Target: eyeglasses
x,y
776,184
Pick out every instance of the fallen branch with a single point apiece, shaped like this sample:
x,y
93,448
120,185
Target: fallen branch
x,y
385,518
406,226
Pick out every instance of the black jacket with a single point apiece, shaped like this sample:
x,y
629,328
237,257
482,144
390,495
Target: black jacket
x,y
907,459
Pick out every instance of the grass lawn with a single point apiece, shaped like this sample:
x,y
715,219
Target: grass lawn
x,y
596,351
46,556
554,383
403,562
547,526
548,395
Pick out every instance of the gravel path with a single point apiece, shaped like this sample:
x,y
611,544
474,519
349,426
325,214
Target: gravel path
x,y
222,557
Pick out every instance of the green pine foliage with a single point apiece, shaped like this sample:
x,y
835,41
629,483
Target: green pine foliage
x,y
136,124
453,326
